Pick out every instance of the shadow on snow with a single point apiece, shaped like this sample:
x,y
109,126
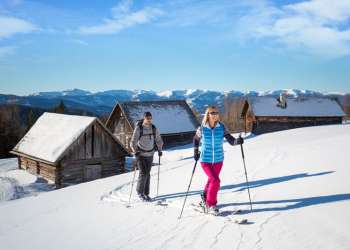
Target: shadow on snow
x,y
290,203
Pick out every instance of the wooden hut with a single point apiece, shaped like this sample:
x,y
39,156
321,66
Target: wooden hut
x,y
174,119
69,149
268,114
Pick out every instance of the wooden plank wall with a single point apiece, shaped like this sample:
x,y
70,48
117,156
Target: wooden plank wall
x,y
177,139
121,129
94,143
73,171
48,172
94,147
272,124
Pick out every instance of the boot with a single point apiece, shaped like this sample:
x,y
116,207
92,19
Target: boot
x,y
142,197
202,203
147,198
214,210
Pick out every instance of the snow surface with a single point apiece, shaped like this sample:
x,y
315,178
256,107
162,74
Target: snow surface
x,y
166,93
52,134
298,183
16,183
314,107
168,119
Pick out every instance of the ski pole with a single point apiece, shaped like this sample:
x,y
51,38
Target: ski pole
x,y
158,175
246,176
132,183
188,189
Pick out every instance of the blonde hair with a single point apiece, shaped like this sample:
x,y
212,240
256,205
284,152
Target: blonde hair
x,y
206,115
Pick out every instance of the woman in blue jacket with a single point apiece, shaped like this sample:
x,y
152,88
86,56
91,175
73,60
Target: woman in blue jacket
x,y
211,134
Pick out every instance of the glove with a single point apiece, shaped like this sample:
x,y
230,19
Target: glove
x,y
160,153
197,154
239,141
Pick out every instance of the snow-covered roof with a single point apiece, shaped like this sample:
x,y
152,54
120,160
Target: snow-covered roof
x,y
169,117
298,107
52,134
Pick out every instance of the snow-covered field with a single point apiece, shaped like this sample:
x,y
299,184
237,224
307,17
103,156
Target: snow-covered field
x,y
16,183
299,187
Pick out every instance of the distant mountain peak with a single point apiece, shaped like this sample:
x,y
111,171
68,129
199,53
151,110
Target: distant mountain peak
x,y
75,92
103,102
68,92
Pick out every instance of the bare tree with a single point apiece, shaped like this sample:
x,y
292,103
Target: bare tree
x,y
11,130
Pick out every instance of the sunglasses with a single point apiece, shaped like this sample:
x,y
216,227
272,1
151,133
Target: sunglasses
x,y
214,113
148,118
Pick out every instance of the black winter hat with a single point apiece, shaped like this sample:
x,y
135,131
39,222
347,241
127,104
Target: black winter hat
x,y
147,114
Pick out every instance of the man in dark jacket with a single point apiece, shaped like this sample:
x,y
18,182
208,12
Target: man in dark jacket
x,y
144,142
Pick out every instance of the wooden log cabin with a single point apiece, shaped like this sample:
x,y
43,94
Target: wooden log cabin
x,y
268,114
67,149
174,119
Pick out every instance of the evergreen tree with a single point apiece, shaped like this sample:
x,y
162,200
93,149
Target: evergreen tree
x,y
11,130
60,109
32,117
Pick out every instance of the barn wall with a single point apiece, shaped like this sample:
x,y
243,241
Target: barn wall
x,y
169,140
272,124
120,128
48,172
94,143
94,147
73,172
178,139
249,120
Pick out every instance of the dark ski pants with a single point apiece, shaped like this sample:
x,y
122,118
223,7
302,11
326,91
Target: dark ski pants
x,y
144,163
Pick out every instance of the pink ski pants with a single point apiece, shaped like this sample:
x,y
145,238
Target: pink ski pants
x,y
212,170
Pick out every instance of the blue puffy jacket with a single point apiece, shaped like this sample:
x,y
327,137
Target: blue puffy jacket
x,y
212,143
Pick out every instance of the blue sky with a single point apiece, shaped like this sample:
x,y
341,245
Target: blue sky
x,y
219,45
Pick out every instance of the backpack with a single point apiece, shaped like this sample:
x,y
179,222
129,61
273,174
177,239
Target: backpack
x,y
139,124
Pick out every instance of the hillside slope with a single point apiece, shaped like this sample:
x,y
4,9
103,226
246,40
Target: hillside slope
x,y
299,186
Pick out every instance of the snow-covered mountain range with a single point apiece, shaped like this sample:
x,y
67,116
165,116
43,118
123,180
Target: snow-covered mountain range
x,y
104,101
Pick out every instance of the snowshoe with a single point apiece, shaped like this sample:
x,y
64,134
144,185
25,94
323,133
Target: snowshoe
x,y
142,197
213,210
147,198
241,221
